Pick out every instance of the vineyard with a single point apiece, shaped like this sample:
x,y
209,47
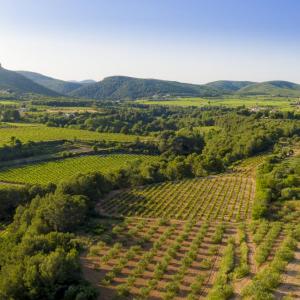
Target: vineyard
x,y
227,197
55,171
192,239
227,102
38,133
161,259
248,166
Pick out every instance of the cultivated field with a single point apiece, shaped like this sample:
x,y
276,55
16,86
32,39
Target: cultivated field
x,y
39,133
223,197
220,197
55,171
192,239
158,259
279,103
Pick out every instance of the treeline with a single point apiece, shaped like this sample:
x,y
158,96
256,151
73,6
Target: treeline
x,y
243,137
9,114
278,179
17,149
64,102
12,197
139,120
39,255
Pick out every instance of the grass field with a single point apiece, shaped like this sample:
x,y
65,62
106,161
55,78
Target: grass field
x,y
9,102
55,171
37,133
74,109
279,103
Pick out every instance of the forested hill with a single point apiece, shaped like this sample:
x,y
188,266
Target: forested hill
x,y
131,88
272,88
56,85
122,87
13,82
228,86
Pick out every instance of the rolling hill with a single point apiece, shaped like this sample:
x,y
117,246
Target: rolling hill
x,y
228,86
131,88
56,85
13,82
272,88
122,87
87,81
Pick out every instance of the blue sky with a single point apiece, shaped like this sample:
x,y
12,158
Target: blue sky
x,y
186,40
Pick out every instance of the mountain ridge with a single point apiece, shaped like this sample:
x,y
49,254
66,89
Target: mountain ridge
x,y
117,87
13,82
272,88
132,88
56,85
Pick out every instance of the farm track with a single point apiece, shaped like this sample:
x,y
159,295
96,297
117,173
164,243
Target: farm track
x,y
2,182
45,157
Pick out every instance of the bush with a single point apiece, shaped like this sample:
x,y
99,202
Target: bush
x,y
123,290
218,235
268,279
80,292
222,288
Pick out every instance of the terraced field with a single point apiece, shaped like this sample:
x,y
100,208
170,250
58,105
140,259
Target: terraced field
x,y
39,133
55,171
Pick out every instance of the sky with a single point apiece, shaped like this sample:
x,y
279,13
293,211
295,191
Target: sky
x,y
195,41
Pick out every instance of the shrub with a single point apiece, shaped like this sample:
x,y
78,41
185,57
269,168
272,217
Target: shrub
x,y
123,290
267,279
218,235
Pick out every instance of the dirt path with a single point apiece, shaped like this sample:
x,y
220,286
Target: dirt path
x,y
216,263
44,157
11,183
290,285
239,284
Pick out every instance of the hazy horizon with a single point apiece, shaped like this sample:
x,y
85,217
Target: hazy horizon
x,y
187,41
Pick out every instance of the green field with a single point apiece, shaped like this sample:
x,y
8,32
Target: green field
x,y
9,102
38,133
55,171
282,103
